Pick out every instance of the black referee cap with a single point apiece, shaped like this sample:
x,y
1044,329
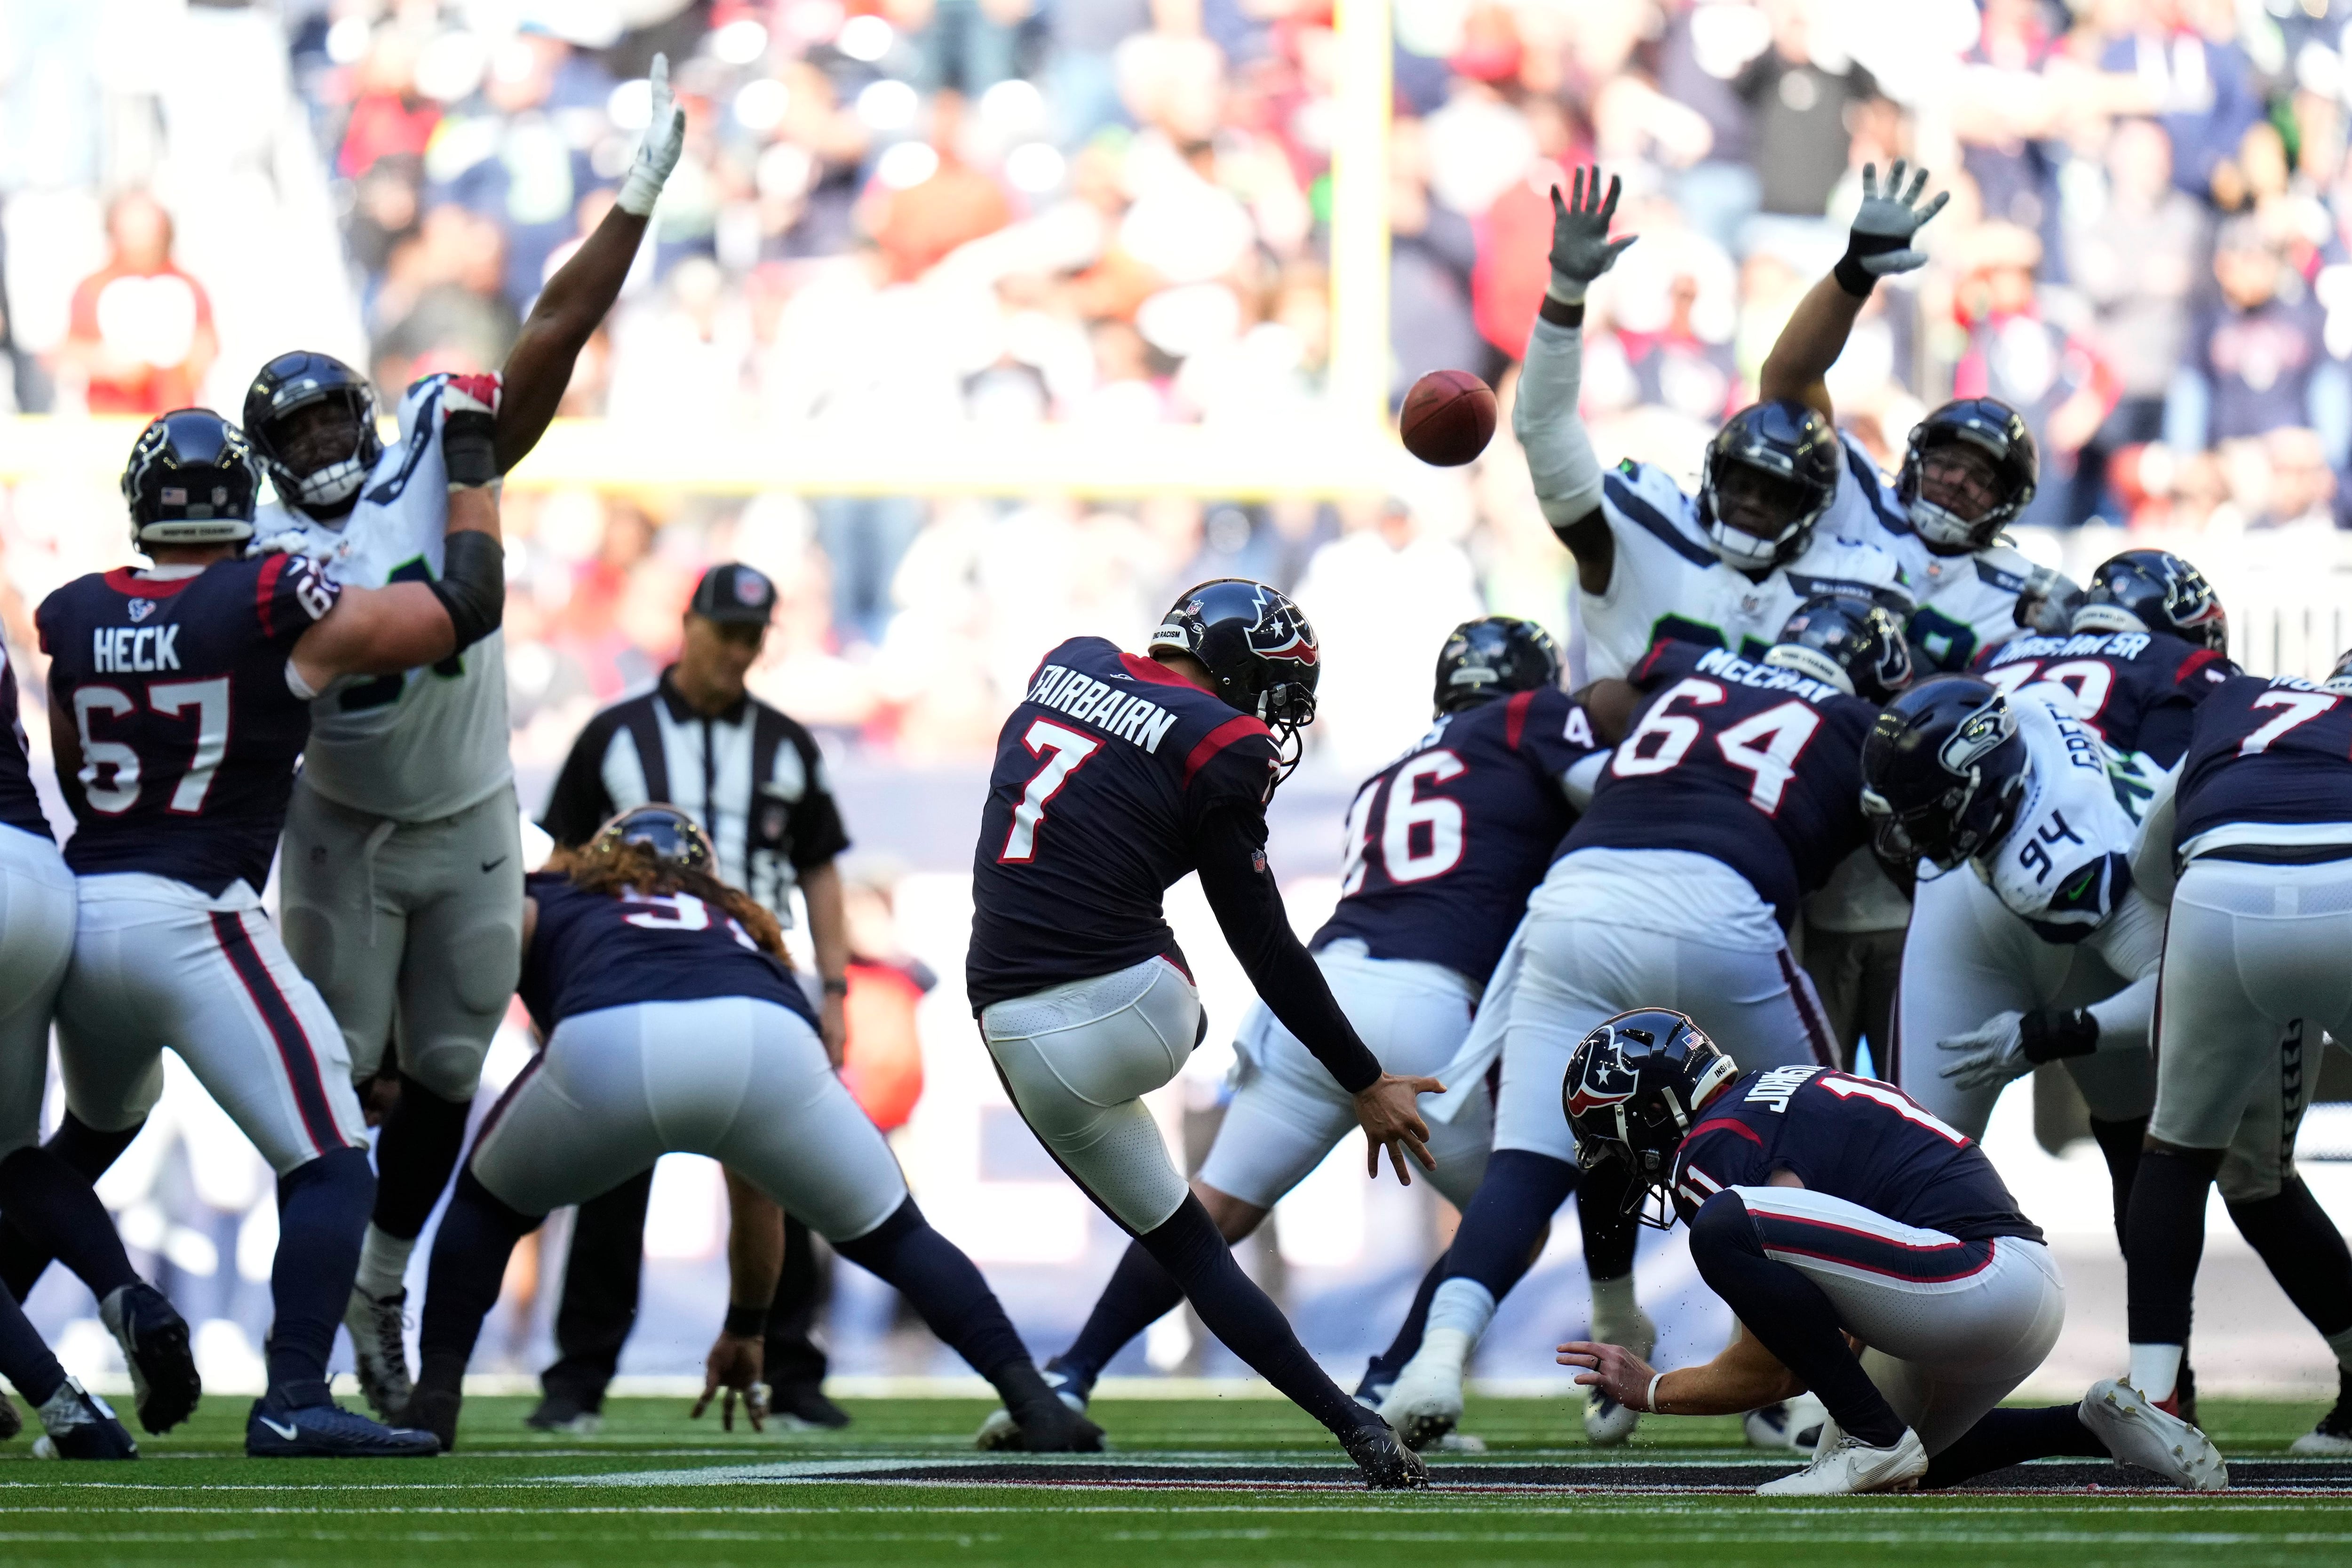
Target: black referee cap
x,y
735,593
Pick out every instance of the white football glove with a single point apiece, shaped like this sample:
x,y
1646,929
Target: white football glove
x,y
1988,1055
1880,243
657,154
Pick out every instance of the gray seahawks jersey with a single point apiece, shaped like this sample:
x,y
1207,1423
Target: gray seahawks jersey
x,y
428,743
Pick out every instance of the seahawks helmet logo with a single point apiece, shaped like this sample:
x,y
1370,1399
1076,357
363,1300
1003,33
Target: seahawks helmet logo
x,y
1980,735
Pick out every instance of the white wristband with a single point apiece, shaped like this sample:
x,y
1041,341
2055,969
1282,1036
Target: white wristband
x,y
1650,1398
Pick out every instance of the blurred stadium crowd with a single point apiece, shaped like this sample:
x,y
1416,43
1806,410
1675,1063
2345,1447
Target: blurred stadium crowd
x,y
1114,212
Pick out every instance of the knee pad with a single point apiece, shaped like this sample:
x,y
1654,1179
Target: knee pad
x,y
449,1070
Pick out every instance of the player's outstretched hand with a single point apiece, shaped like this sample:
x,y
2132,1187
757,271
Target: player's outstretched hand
x,y
658,153
1390,1120
1988,1055
1880,244
733,1370
1582,249
1613,1369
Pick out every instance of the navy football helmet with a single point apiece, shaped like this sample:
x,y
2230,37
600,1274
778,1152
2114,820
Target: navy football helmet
x,y
1773,471
2340,677
1997,433
1633,1090
674,836
2154,591
1493,658
1258,649
1846,642
1942,771
190,480
320,472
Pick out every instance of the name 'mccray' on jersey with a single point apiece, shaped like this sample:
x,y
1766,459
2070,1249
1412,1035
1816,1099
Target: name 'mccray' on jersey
x,y
20,803
428,742
1756,767
1104,774
2269,774
1852,1138
1666,581
591,951
2139,689
1445,844
175,690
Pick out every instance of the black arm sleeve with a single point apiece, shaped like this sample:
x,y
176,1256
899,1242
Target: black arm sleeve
x,y
473,585
578,805
1231,844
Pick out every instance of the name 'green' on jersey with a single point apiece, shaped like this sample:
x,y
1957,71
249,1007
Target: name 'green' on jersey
x,y
428,742
1667,582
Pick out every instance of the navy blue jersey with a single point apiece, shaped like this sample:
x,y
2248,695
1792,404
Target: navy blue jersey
x,y
20,804
2139,689
1852,1138
592,951
2271,754
175,693
1104,775
1757,767
1445,844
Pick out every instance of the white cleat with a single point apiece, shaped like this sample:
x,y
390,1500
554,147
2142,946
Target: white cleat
x,y
2320,1443
1425,1404
1848,1465
378,1327
2137,1431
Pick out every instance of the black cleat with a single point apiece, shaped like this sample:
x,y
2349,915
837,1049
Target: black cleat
x,y
561,1413
1056,1428
165,1385
328,1431
435,1410
2333,1436
1388,1465
79,1425
803,1405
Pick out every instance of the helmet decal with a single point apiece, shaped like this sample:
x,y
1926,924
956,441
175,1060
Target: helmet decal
x,y
1281,632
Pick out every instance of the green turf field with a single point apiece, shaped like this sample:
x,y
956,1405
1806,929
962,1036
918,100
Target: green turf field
x,y
656,1489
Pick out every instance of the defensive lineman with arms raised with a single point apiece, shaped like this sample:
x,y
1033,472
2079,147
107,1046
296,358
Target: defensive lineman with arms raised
x,y
402,875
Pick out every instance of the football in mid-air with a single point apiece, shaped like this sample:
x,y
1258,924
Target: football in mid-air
x,y
1448,418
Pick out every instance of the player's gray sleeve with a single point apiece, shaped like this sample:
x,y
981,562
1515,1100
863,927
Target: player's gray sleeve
x,y
2151,857
1560,460
2132,944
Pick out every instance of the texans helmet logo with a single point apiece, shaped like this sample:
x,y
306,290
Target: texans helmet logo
x,y
1280,631
1609,1079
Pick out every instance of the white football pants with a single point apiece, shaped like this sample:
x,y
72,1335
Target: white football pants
x,y
36,941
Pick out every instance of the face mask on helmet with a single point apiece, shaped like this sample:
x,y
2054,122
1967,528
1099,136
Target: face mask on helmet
x,y
1957,486
2339,679
1259,651
1947,808
313,424
1757,518
669,833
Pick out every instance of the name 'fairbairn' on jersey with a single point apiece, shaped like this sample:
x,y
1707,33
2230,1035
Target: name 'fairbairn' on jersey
x,y
591,951
2269,774
1755,766
1852,1138
428,743
1445,844
173,690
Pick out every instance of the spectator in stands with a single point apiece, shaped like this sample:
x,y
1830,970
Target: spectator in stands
x,y
141,334
1803,114
2255,358
2052,375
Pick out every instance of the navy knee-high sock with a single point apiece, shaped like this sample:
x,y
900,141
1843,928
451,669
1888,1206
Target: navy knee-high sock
x,y
2006,1438
1384,1368
414,1156
478,1235
52,1202
2304,1251
87,1152
1190,1247
1610,1232
2119,1144
2164,1239
1507,1217
322,1209
24,1358
1140,1294
1791,1315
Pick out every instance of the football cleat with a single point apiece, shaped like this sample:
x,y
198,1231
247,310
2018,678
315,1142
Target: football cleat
x,y
1425,1404
1388,1464
803,1408
2333,1436
378,1326
561,1413
328,1431
2136,1432
1849,1466
164,1384
79,1425
435,1410
1001,1433
12,1420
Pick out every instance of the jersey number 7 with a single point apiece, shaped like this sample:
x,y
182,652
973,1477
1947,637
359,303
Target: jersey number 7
x,y
1063,750
1764,746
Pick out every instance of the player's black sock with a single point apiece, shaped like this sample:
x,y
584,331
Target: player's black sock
x,y
1190,1247
414,1156
1507,1216
478,1235
2164,1238
24,1358
1384,1367
51,1202
2306,1252
1791,1315
1140,1294
2119,1142
322,1209
1610,1232
87,1152
2006,1438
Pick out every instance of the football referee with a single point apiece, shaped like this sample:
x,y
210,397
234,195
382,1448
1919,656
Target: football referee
x,y
754,779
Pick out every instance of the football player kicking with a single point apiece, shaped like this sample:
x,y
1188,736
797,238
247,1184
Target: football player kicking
x,y
179,699
1116,775
672,1023
1733,794
403,874
2260,829
1442,847
1832,1212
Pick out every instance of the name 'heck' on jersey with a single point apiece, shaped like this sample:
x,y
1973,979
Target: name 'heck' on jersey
x,y
1852,1138
2269,764
2139,689
1757,767
1445,844
1103,773
175,690
591,951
